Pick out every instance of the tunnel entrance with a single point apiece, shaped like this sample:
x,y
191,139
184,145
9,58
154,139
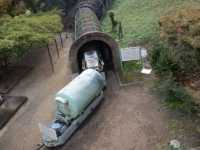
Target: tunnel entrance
x,y
102,49
99,41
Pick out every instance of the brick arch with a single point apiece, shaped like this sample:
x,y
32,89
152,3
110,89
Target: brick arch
x,y
77,45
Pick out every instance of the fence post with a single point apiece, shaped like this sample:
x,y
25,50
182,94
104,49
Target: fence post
x,y
61,39
50,58
57,50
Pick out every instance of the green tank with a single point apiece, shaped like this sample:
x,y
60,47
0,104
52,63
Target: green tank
x,y
73,99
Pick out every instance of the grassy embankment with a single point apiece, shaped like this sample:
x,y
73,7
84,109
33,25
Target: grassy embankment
x,y
140,21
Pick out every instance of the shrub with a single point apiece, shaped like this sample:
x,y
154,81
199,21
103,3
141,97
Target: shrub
x,y
167,85
4,6
161,58
181,30
182,27
174,95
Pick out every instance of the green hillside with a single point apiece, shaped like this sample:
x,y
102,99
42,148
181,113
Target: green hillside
x,y
140,18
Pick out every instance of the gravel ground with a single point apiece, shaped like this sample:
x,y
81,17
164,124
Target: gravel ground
x,y
128,119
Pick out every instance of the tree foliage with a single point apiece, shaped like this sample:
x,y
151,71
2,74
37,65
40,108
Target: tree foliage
x,y
19,33
24,25
16,7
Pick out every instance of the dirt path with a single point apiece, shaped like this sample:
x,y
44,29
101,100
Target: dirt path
x,y
40,86
128,118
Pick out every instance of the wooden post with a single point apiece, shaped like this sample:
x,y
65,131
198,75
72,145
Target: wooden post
x,y
120,31
61,39
50,58
57,50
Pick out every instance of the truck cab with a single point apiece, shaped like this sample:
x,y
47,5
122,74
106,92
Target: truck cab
x,y
92,60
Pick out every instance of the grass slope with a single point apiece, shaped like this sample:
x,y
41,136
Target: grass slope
x,y
140,18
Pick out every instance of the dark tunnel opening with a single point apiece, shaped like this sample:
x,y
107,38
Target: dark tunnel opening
x,y
102,48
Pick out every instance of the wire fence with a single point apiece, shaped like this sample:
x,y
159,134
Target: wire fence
x,y
35,57
52,49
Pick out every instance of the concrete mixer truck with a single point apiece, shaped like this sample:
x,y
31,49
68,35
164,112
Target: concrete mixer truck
x,y
73,104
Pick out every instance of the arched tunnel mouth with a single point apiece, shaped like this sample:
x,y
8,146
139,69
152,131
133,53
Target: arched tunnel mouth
x,y
104,51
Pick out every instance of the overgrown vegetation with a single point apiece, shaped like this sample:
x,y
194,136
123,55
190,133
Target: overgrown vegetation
x,y
181,30
179,57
